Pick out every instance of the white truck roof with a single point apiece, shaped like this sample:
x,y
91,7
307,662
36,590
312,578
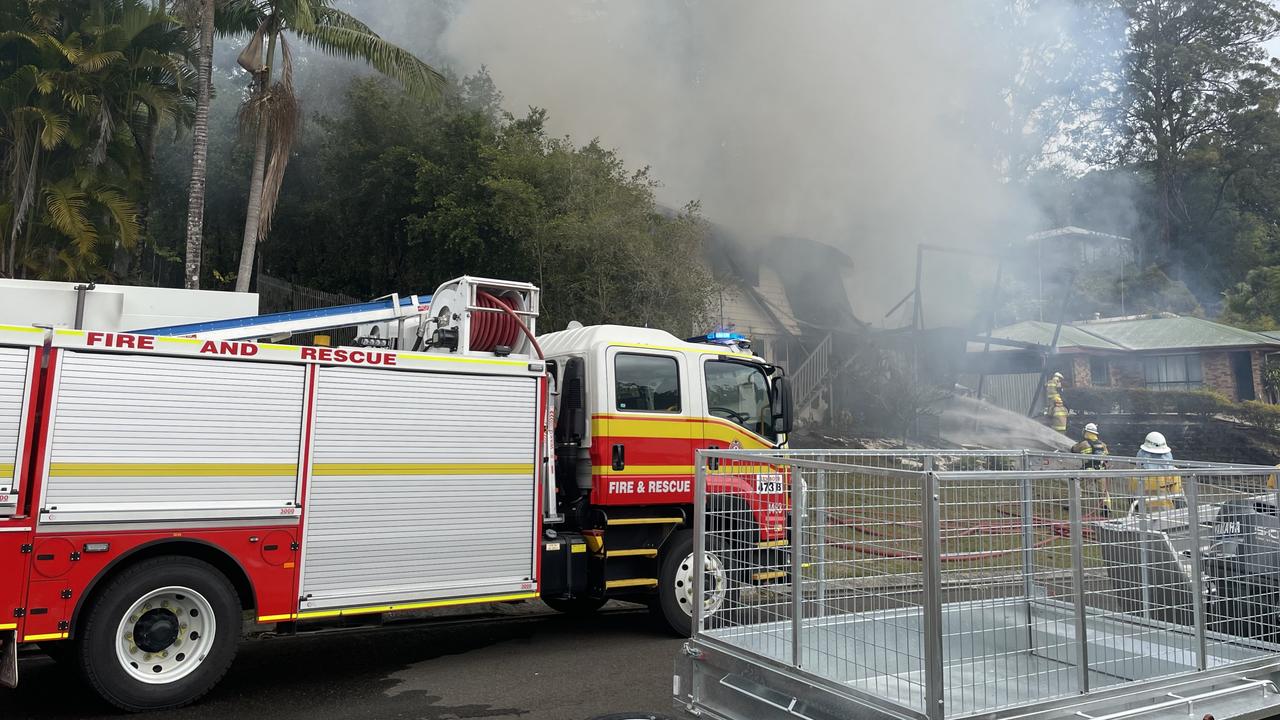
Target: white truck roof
x,y
117,308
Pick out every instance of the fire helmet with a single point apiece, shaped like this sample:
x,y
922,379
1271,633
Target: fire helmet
x,y
1091,428
1155,443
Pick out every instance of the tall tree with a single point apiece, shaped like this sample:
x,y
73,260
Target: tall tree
x,y
201,14
271,111
1191,68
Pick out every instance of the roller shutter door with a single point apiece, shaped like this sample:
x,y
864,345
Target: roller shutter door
x,y
14,374
422,487
160,438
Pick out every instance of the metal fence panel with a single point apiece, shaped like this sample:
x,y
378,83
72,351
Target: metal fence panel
x,y
948,583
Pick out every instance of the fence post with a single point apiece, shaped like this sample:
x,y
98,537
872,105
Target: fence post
x,y
932,645
699,537
798,509
1192,491
1028,531
1077,573
820,520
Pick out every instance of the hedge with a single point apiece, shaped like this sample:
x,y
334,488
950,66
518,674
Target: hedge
x,y
1259,414
1140,401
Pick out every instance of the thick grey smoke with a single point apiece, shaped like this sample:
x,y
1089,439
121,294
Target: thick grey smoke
x,y
871,125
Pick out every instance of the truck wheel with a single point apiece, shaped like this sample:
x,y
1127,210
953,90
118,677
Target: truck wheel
x,y
160,635
676,584
575,606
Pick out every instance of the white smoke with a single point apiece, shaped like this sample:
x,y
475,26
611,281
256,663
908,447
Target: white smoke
x,y
871,125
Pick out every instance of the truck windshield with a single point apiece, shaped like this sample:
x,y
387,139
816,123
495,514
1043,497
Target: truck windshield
x,y
739,393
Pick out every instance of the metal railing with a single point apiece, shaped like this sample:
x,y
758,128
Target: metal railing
x,y
950,583
809,376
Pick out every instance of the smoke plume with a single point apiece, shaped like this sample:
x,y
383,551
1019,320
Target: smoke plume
x,y
865,124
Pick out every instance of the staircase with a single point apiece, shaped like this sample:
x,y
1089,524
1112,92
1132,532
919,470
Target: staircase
x,y
813,375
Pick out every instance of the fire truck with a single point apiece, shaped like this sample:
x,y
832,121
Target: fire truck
x,y
166,491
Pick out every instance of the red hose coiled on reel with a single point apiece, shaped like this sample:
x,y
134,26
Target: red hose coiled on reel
x,y
492,329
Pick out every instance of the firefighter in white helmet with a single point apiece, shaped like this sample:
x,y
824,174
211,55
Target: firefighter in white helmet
x,y
1163,492
1053,392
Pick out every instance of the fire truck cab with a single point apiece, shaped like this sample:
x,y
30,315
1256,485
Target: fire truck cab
x,y
633,407
160,486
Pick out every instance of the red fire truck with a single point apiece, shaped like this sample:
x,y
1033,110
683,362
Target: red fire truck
x,y
157,489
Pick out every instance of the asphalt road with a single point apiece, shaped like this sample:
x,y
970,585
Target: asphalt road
x,y
529,666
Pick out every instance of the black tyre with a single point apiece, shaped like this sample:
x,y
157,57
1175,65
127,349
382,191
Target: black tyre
x,y
674,604
575,606
160,635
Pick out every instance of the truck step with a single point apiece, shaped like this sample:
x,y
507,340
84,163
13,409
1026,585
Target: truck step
x,y
630,583
615,522
633,552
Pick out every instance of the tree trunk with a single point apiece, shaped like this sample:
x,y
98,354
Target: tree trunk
x,y
253,216
249,246
200,148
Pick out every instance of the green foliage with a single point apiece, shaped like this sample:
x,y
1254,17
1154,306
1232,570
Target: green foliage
x,y
1260,414
391,193
1140,401
86,85
1255,303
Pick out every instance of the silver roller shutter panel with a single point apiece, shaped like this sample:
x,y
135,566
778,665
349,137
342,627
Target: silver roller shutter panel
x,y
139,437
13,389
422,487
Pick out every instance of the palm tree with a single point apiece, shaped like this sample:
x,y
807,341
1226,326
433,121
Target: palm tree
x,y
86,84
271,111
204,13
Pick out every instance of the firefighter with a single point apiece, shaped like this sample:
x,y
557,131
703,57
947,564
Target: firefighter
x,y
1059,419
1092,445
1053,392
1161,492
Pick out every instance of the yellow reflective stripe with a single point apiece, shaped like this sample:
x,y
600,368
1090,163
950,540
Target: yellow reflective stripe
x,y
69,333
630,582
579,548
6,470
277,618
646,521
676,427
50,636
456,359
632,552
699,350
172,469
413,606
330,469
20,328
773,543
181,340
9,626
643,470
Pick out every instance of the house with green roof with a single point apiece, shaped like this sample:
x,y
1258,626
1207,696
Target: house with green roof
x,y
1158,352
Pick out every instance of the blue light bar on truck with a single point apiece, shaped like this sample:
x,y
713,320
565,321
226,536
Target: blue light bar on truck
x,y
723,337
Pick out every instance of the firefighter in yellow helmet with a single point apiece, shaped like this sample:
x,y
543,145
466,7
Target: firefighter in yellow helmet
x,y
1059,417
1092,445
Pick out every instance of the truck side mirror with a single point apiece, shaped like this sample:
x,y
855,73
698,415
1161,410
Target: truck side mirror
x,y
783,409
571,426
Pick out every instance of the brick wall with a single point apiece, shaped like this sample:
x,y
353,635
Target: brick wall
x,y
1216,367
1080,374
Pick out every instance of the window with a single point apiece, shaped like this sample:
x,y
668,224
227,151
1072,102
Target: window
x,y
1173,372
739,392
647,383
1099,372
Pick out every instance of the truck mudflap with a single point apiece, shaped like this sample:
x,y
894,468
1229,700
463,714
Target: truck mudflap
x,y
9,659
716,683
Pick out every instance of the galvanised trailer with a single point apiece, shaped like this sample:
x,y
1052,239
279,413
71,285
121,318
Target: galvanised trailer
x,y
937,585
